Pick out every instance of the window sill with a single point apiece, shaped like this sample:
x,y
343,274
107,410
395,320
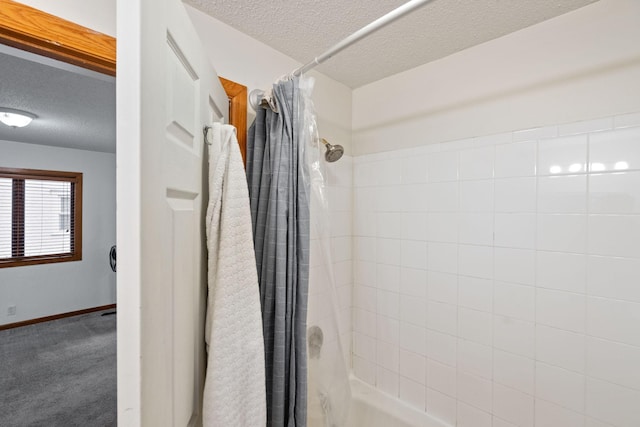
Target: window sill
x,y
35,260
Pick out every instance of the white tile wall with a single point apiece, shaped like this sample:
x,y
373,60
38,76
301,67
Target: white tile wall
x,y
513,406
471,416
513,371
516,267
413,393
517,159
515,301
562,155
442,287
560,386
441,377
441,406
562,194
550,415
515,195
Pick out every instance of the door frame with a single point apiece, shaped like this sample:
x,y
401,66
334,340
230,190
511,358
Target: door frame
x,y
237,95
33,30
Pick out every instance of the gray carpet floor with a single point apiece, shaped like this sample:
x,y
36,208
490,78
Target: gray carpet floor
x,y
59,373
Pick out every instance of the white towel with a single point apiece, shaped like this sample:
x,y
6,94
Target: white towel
x,y
234,391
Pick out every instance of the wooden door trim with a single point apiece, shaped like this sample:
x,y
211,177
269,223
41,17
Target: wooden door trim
x,y
237,95
33,30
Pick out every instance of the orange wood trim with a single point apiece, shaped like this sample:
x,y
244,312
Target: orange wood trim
x,y
37,260
30,29
38,173
237,95
56,317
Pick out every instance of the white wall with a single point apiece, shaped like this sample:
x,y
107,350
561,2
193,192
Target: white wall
x,y
48,289
578,66
497,277
99,15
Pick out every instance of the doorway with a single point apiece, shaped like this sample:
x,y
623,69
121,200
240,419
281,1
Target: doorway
x,y
59,352
50,36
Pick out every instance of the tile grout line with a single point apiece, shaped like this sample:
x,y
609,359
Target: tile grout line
x,y
586,276
493,279
535,282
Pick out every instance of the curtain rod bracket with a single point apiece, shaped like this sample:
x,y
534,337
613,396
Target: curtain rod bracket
x,y
255,98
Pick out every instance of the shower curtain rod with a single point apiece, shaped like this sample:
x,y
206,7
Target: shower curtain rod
x,y
255,97
363,32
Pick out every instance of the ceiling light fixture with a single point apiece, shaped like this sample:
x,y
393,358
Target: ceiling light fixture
x,y
15,118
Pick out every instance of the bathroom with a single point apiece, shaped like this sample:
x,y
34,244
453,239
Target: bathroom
x,y
483,223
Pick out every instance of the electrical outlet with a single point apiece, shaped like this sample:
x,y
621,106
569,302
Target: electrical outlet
x,y
11,310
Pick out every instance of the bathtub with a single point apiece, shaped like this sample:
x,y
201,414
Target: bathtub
x,y
372,408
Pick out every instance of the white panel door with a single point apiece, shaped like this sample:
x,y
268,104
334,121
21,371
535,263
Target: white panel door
x,y
167,91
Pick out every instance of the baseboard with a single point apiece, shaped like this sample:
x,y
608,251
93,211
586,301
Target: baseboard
x,y
56,316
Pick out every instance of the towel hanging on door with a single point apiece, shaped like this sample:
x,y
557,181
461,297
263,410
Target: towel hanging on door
x,y
234,392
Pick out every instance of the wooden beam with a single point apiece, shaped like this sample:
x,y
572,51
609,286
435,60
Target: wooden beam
x,y
237,94
30,29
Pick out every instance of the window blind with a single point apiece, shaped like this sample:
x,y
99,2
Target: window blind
x,y
47,217
40,216
6,206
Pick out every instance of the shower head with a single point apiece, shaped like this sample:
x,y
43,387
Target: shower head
x,y
334,152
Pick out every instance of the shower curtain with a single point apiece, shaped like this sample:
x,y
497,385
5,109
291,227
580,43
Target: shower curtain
x,y
277,175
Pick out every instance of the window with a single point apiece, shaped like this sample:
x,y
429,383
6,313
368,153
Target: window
x,y
40,217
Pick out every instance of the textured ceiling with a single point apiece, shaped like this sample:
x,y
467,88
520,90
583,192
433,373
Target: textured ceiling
x,y
303,29
76,108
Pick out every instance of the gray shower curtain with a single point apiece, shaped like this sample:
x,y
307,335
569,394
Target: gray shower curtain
x,y
279,194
